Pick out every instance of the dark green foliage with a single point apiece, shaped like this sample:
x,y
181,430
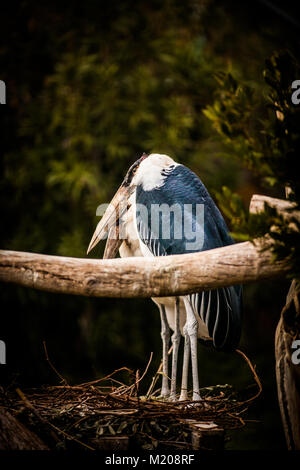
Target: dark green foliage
x,y
245,226
93,117
263,130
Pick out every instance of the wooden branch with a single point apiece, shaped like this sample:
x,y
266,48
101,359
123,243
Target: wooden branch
x,y
287,373
142,277
282,206
15,436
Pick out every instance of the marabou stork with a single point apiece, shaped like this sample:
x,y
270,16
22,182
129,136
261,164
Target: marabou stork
x,y
156,181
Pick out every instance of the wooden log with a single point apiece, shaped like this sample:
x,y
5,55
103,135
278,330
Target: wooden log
x,y
287,372
206,435
15,436
287,331
240,263
283,207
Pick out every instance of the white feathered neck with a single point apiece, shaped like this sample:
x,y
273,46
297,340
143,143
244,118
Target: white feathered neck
x,y
152,172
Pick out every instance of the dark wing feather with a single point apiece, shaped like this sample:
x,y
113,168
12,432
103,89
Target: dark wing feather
x,y
220,309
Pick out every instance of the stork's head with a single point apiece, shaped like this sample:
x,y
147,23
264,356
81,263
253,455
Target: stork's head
x,y
149,172
129,180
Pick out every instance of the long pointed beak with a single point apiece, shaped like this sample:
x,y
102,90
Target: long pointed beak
x,y
113,213
113,243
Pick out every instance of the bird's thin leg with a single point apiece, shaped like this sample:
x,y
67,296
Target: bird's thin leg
x,y
185,368
175,341
192,331
165,336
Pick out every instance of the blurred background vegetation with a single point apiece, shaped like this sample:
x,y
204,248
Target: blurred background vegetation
x,y
90,86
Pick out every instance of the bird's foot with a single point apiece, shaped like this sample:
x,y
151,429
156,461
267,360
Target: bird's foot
x,y
164,395
192,405
172,397
196,395
200,404
183,395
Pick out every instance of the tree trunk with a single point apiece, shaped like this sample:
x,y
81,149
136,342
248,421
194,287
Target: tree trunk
x,y
15,436
287,368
